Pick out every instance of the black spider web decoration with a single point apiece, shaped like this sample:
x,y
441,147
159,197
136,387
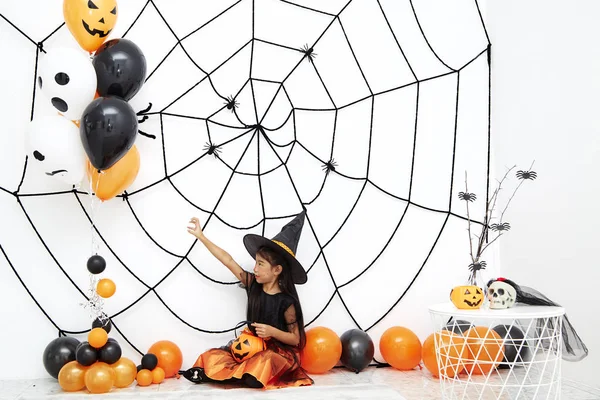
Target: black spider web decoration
x,y
213,148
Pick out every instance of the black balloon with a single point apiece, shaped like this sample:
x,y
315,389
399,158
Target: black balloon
x,y
120,68
110,353
357,350
96,264
139,368
108,130
516,349
106,325
59,352
459,326
149,361
85,354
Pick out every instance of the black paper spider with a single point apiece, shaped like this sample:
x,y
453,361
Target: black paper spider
x,y
329,166
231,103
478,266
467,196
531,175
212,149
505,226
308,53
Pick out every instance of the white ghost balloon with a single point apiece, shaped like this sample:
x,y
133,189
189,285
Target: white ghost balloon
x,y
68,81
53,144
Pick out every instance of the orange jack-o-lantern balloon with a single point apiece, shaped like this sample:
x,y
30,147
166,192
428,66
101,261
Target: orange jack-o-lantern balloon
x,y
246,346
467,297
90,21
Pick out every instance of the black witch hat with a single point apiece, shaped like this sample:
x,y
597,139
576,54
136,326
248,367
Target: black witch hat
x,y
575,349
284,243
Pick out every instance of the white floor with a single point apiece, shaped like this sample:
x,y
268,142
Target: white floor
x,y
372,383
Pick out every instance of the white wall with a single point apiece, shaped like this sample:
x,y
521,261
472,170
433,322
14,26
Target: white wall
x,y
454,31
546,86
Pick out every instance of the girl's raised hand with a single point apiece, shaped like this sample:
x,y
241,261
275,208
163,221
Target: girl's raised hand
x,y
195,228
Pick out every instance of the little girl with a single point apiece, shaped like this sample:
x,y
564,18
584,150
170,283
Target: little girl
x,y
273,311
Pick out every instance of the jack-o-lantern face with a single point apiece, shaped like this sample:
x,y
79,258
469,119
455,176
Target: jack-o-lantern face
x,y
90,21
246,346
467,297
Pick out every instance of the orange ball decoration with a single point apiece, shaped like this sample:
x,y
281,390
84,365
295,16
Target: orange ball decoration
x,y
71,377
97,337
99,378
106,288
169,357
485,350
125,372
158,375
322,351
453,350
144,377
401,348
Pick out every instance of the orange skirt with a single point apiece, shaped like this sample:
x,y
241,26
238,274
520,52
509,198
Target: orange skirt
x,y
275,367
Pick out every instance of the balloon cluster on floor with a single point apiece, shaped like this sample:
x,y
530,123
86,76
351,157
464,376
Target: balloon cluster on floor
x,y
354,349
477,349
98,366
93,136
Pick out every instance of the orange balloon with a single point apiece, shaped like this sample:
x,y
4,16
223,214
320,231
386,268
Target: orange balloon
x,y
169,357
106,288
485,350
158,375
90,26
452,349
144,377
322,351
71,377
99,378
97,338
400,348
125,372
116,179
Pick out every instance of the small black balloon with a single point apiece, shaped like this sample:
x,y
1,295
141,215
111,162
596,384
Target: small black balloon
x,y
106,325
516,349
459,326
120,68
149,361
59,352
139,368
357,350
108,129
96,264
85,354
110,353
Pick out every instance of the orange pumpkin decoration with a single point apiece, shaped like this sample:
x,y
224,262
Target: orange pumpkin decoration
x,y
467,297
90,21
246,346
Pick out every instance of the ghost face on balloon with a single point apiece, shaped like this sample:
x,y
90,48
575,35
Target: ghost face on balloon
x,y
68,81
53,145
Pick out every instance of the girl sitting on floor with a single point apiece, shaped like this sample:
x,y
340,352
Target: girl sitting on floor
x,y
274,313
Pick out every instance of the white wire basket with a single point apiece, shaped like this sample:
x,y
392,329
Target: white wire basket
x,y
514,353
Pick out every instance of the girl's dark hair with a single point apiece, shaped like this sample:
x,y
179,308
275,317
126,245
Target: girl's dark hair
x,y
286,284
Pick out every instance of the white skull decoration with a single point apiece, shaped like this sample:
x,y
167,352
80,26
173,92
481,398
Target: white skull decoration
x,y
501,295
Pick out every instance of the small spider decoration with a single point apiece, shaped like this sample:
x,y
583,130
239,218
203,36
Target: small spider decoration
x,y
308,53
329,166
212,149
531,175
467,196
503,227
477,266
231,103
